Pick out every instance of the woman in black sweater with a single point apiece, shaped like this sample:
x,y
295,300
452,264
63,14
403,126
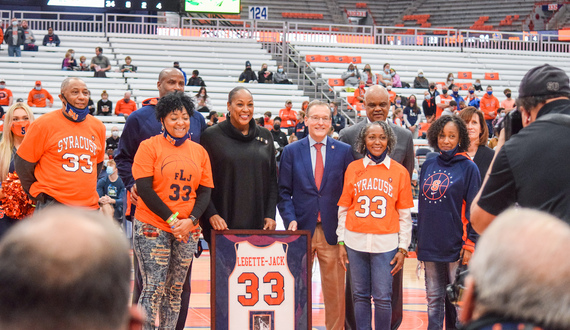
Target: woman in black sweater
x,y
478,133
243,166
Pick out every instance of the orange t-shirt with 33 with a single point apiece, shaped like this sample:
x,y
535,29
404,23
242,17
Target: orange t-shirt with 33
x,y
176,171
66,154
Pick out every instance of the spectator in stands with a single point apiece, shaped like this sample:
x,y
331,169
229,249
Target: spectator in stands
x,y
477,85
195,79
301,130
489,105
508,103
396,82
293,138
420,81
471,99
442,101
128,67
69,62
247,76
304,105
39,97
125,106
288,117
429,104
359,93
280,77
264,75
14,38
412,116
113,140
478,137
367,76
461,105
450,109
511,282
202,101
398,117
177,65
351,77
83,66
51,39
91,105
385,77
259,122
391,93
30,39
60,259
449,81
267,121
456,97
104,105
279,138
338,120
398,103
212,118
111,192
6,97
99,63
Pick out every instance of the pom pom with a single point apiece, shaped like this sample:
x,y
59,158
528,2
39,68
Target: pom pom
x,y
16,204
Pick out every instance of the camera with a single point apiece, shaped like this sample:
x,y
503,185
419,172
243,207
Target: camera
x,y
455,290
511,123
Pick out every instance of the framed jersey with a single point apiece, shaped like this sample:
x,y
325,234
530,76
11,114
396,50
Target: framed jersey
x,y
261,280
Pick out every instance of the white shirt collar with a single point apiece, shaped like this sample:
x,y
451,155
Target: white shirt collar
x,y
367,161
312,142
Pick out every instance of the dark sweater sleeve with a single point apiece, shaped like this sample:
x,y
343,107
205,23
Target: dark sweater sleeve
x,y
273,193
202,201
151,199
25,171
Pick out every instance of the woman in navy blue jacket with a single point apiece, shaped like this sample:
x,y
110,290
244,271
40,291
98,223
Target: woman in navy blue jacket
x,y
448,184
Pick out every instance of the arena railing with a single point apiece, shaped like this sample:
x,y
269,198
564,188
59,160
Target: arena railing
x,y
62,21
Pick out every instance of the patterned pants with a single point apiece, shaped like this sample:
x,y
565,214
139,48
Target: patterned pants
x,y
163,264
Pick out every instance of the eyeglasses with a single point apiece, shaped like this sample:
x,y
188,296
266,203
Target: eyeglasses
x,y
318,119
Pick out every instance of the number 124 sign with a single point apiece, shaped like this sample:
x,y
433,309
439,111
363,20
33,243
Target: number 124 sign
x,y
258,12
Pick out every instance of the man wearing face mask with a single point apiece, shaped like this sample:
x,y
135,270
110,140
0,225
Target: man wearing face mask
x,y
508,103
6,97
420,81
30,39
489,105
442,102
471,99
63,152
351,76
289,117
39,97
14,37
280,77
111,192
113,140
279,138
99,63
456,97
125,106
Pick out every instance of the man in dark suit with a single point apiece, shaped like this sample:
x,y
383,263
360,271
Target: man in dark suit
x,y
377,105
310,184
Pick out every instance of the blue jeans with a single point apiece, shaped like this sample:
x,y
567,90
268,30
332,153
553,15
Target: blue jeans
x,y
490,127
438,276
163,264
370,277
14,51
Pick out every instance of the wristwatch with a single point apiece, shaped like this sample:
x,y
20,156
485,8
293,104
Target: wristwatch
x,y
403,251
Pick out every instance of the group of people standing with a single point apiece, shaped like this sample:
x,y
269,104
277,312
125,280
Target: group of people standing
x,y
354,195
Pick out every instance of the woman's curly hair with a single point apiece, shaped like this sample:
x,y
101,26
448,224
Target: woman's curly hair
x,y
361,139
172,102
437,127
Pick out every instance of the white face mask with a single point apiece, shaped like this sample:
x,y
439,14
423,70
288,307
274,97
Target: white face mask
x,y
115,133
38,88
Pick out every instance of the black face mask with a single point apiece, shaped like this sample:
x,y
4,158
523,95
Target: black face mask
x,y
509,95
277,126
444,91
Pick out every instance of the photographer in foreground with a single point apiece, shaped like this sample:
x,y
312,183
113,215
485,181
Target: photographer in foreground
x,y
531,169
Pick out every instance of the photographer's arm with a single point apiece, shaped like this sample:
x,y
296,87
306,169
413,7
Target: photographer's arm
x,y
481,219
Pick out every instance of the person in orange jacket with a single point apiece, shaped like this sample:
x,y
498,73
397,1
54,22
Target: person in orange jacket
x,y
39,97
288,117
489,105
442,102
125,106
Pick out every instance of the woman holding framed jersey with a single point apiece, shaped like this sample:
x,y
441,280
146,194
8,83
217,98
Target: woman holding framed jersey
x,y
174,180
374,223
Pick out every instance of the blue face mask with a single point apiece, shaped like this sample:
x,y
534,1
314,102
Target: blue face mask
x,y
110,170
489,92
447,155
378,159
177,142
75,114
471,92
455,93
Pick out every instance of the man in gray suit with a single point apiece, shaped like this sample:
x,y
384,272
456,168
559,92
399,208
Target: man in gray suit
x,y
377,105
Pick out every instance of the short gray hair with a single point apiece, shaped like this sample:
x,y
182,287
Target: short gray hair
x,y
67,81
520,269
315,103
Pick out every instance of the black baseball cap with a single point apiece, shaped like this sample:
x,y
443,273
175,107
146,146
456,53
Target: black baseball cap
x,y
544,80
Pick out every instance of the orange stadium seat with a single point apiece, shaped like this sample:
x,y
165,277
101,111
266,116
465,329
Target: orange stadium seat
x,y
361,5
464,75
327,58
355,59
336,82
313,58
341,59
464,86
491,76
